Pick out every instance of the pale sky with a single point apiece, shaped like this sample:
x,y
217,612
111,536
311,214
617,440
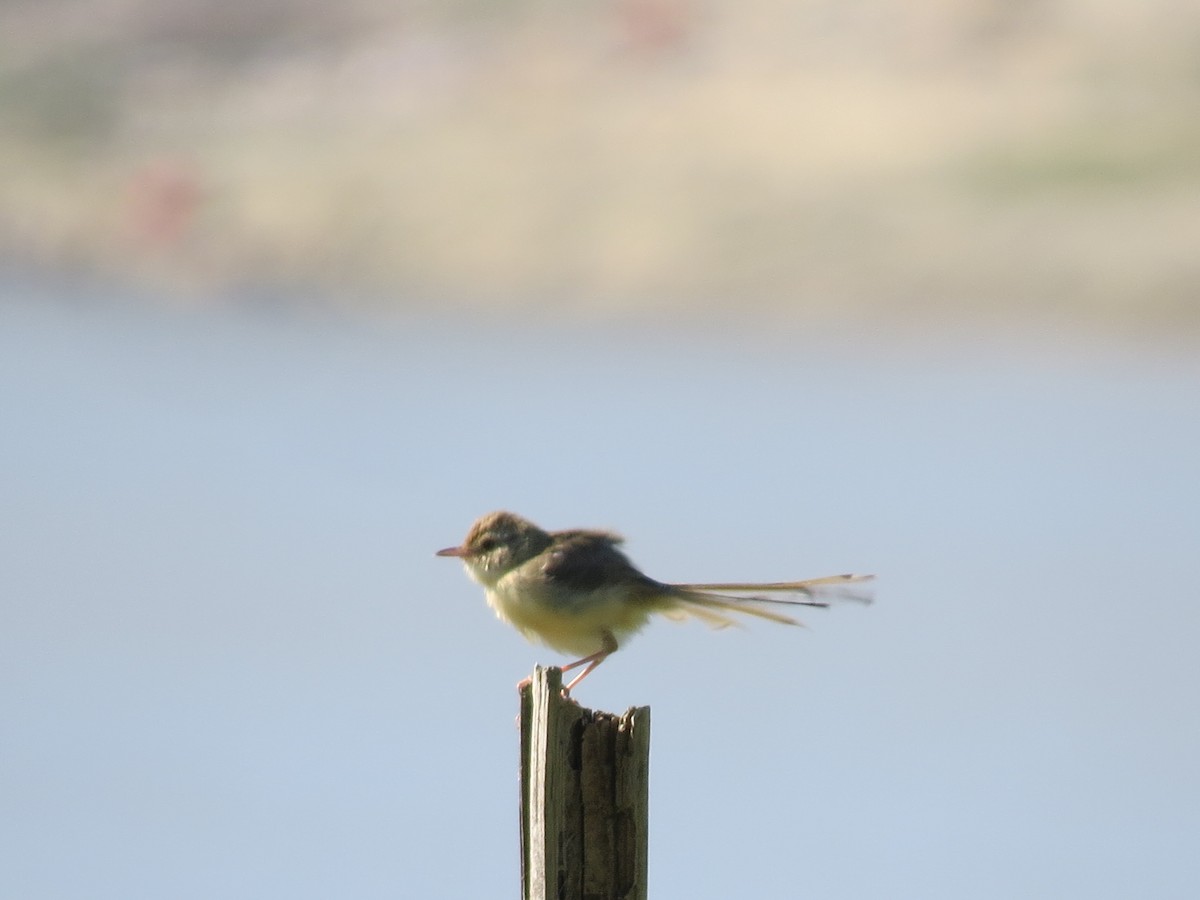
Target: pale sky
x,y
232,666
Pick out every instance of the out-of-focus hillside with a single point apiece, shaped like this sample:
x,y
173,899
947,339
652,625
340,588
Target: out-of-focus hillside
x,y
988,156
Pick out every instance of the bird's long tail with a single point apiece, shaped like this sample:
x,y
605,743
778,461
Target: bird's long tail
x,y
710,603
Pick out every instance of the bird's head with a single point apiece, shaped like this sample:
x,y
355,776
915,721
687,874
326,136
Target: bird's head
x,y
496,544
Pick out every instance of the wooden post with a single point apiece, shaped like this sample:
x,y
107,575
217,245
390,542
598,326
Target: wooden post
x,y
584,796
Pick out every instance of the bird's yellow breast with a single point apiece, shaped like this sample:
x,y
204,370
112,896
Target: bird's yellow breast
x,y
570,623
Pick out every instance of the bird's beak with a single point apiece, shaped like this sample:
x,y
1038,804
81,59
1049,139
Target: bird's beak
x,y
453,551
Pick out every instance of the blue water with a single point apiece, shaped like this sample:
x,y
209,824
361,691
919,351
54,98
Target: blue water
x,y
230,665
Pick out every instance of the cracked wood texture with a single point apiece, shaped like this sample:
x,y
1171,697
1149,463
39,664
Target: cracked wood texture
x,y
584,796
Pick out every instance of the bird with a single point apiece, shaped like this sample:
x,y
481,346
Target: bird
x,y
576,592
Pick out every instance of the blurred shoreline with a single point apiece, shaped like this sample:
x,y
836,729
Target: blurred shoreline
x,y
643,157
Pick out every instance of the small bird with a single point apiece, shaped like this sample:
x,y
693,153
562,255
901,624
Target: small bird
x,y
577,593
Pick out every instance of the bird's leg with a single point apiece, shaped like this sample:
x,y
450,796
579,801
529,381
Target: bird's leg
x,y
607,648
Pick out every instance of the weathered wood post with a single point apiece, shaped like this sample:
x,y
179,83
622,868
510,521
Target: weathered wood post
x,y
584,796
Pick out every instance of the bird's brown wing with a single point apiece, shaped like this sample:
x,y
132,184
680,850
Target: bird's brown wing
x,y
589,560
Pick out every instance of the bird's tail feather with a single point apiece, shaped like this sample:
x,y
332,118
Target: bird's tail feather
x,y
706,603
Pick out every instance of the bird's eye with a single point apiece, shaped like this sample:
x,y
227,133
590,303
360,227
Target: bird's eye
x,y
487,544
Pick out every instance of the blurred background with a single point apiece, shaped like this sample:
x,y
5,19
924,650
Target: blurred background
x,y
290,294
